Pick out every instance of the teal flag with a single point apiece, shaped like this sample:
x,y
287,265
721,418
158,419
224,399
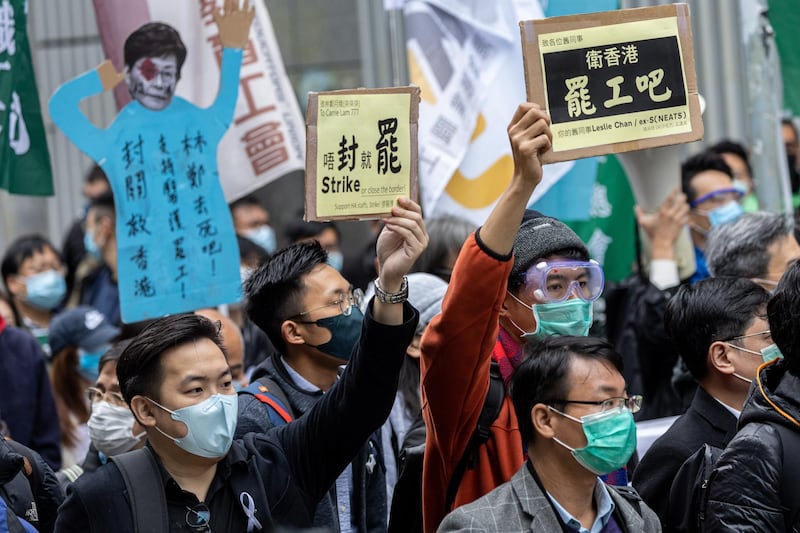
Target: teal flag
x,y
609,232
24,159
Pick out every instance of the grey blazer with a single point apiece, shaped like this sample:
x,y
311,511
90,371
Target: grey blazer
x,y
519,506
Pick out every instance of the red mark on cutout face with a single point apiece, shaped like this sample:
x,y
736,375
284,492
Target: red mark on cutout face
x,y
148,69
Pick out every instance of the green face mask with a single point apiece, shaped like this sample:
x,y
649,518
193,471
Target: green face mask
x,y
571,317
770,353
610,440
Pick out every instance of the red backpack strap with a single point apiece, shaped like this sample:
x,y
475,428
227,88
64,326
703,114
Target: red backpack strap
x,y
266,398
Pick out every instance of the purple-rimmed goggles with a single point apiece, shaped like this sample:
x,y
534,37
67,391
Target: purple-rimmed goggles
x,y
556,281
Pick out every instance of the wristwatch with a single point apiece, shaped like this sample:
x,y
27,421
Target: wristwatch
x,y
392,297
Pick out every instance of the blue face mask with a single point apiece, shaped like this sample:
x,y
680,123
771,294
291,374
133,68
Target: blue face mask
x,y
91,246
264,236
725,214
345,332
336,260
770,353
571,317
210,424
45,290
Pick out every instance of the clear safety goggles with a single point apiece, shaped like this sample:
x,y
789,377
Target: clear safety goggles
x,y
556,281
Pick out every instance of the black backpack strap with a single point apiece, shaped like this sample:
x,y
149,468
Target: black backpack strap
x,y
145,488
489,413
790,504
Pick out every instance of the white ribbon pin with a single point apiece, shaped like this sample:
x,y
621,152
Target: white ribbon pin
x,y
249,508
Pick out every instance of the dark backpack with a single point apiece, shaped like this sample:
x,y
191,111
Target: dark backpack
x,y
689,491
406,511
270,394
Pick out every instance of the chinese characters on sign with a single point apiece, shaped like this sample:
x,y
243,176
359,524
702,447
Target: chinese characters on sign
x,y
614,86
362,152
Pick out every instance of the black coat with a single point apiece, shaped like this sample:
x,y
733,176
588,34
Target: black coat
x,y
705,422
368,510
291,467
750,482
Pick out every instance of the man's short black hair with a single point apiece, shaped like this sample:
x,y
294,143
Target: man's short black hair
x,y
783,311
103,205
713,309
154,39
727,146
300,229
274,292
139,367
22,249
246,201
96,174
542,376
698,163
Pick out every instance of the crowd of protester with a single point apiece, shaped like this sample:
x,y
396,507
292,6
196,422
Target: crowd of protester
x,y
446,381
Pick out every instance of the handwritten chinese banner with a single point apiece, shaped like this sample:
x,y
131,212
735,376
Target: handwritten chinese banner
x,y
615,81
361,151
265,140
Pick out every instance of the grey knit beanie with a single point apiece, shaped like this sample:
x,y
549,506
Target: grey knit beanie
x,y
541,236
425,293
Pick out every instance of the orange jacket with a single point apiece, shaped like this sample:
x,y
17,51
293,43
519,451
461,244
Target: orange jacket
x,y
456,356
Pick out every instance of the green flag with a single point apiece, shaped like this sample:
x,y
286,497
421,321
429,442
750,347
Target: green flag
x,y
785,18
24,159
609,232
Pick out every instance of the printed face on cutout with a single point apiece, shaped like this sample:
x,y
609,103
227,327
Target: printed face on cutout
x,y
152,80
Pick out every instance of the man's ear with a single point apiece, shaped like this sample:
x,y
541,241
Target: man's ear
x,y
144,411
290,331
718,358
508,301
542,418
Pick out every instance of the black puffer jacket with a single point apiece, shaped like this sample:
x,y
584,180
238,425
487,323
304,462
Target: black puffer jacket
x,y
750,486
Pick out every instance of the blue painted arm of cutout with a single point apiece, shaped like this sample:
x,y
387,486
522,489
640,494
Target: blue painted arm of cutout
x,y
224,106
70,119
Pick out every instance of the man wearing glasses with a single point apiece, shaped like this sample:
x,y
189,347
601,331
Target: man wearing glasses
x,y
314,340
521,275
719,327
175,377
577,421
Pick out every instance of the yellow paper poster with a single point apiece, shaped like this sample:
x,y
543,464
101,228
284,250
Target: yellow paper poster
x,y
615,81
363,153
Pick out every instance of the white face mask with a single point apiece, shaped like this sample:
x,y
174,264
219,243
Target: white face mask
x,y
111,429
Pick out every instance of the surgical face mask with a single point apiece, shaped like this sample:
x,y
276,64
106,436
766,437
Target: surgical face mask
x,y
45,290
740,186
264,236
725,214
571,317
336,260
610,440
90,361
210,425
345,332
111,427
767,353
91,246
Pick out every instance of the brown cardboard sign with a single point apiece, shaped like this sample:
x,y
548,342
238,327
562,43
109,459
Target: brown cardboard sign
x,y
614,81
361,152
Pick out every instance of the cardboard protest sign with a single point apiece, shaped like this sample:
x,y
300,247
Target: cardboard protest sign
x,y
614,81
361,152
176,247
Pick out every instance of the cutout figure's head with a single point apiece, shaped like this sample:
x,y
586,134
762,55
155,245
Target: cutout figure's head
x,y
154,56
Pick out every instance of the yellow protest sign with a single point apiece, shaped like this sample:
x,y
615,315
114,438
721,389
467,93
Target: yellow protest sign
x,y
614,81
362,151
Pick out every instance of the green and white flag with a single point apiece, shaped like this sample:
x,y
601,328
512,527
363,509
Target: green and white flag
x,y
24,159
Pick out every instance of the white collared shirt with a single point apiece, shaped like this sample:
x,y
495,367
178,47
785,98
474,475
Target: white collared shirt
x,y
605,508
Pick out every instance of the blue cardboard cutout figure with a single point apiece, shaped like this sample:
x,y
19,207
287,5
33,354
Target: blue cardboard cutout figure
x,y
176,246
